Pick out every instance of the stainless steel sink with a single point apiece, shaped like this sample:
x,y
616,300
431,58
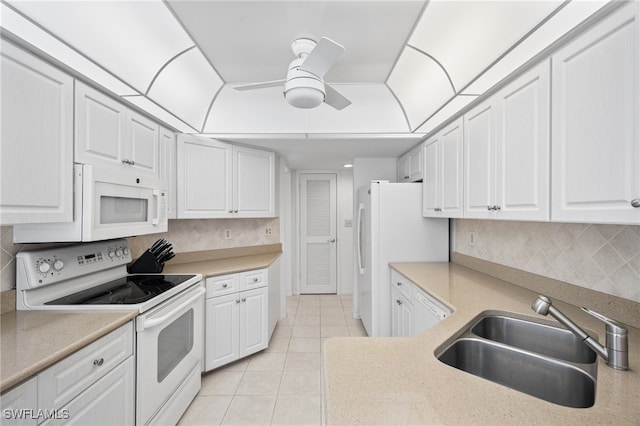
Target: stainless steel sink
x,y
528,356
535,337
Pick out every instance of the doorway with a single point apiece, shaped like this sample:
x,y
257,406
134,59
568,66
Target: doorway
x,y
318,233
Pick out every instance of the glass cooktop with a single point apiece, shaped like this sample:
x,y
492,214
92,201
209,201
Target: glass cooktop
x,y
127,290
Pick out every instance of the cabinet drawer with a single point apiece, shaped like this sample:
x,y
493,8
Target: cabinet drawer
x,y
63,381
403,285
253,279
221,285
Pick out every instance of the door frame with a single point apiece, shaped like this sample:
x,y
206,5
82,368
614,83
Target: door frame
x,y
295,285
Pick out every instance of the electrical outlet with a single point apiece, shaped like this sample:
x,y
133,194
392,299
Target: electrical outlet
x,y
268,231
348,223
472,238
227,234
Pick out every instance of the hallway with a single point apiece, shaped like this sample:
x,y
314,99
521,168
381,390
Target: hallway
x,y
281,385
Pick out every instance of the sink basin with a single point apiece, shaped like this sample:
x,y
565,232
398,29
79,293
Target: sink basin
x,y
535,337
529,356
542,377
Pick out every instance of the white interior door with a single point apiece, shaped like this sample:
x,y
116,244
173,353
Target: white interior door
x,y
318,213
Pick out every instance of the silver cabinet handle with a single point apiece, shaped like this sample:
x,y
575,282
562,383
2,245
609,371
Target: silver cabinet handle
x,y
398,283
399,302
237,300
244,299
497,208
255,280
235,211
635,203
225,285
489,208
332,240
98,361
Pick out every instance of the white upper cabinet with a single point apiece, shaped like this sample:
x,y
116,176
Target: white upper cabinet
x,y
167,168
442,184
110,134
204,178
253,182
219,180
507,151
410,166
596,130
36,148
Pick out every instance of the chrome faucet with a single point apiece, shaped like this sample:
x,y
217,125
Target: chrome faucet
x,y
615,351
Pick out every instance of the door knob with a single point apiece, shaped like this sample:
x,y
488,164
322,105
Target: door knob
x,y
332,240
635,203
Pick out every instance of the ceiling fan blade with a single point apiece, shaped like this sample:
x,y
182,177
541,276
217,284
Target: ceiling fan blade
x,y
322,57
262,85
334,98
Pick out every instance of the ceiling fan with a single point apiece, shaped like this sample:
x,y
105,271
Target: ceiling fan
x,y
304,86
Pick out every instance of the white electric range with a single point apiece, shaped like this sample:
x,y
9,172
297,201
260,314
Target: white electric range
x,y
169,327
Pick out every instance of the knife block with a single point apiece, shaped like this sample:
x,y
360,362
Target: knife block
x,y
146,264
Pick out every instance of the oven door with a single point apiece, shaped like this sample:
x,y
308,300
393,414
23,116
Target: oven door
x,y
169,349
121,204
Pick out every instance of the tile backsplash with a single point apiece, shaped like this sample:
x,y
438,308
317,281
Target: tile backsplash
x,y
184,234
604,258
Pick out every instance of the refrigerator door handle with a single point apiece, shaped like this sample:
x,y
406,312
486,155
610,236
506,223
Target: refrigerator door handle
x,y
360,238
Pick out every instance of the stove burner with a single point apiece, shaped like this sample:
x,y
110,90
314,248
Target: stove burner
x,y
130,295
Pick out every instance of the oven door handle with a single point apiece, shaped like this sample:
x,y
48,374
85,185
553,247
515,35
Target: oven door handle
x,y
146,324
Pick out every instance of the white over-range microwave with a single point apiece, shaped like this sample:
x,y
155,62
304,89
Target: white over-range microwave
x,y
107,205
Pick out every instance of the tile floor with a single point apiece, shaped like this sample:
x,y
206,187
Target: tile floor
x,y
282,384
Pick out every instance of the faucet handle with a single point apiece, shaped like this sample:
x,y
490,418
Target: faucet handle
x,y
612,326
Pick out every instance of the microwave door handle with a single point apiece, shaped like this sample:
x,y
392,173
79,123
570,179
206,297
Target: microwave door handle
x,y
156,220
146,324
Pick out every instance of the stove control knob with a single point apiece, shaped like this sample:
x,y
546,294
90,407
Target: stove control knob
x,y
58,265
118,252
125,251
111,254
44,267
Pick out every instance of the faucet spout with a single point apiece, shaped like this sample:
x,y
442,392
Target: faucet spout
x,y
615,351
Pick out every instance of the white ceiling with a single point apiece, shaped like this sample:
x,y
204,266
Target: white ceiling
x,y
408,64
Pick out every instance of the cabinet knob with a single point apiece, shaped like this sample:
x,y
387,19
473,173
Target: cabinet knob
x,y
235,211
489,208
635,203
398,283
98,361
225,285
244,299
230,211
255,280
399,302
237,300
497,208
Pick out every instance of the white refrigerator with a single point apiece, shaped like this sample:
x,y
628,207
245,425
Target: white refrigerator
x,y
390,228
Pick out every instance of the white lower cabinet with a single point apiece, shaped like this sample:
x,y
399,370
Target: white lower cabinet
x,y
401,315
236,318
413,310
18,402
95,385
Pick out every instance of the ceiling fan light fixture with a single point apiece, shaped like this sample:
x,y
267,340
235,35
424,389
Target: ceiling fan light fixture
x,y
304,92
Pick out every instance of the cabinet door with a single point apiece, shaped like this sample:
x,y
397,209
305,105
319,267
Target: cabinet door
x,y
141,148
253,321
110,401
479,160
415,164
222,330
403,168
431,178
401,315
204,178
253,182
595,131
522,178
16,404
36,142
167,168
451,171
100,128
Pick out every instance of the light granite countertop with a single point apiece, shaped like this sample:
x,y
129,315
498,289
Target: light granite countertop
x,y
223,266
399,380
31,341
